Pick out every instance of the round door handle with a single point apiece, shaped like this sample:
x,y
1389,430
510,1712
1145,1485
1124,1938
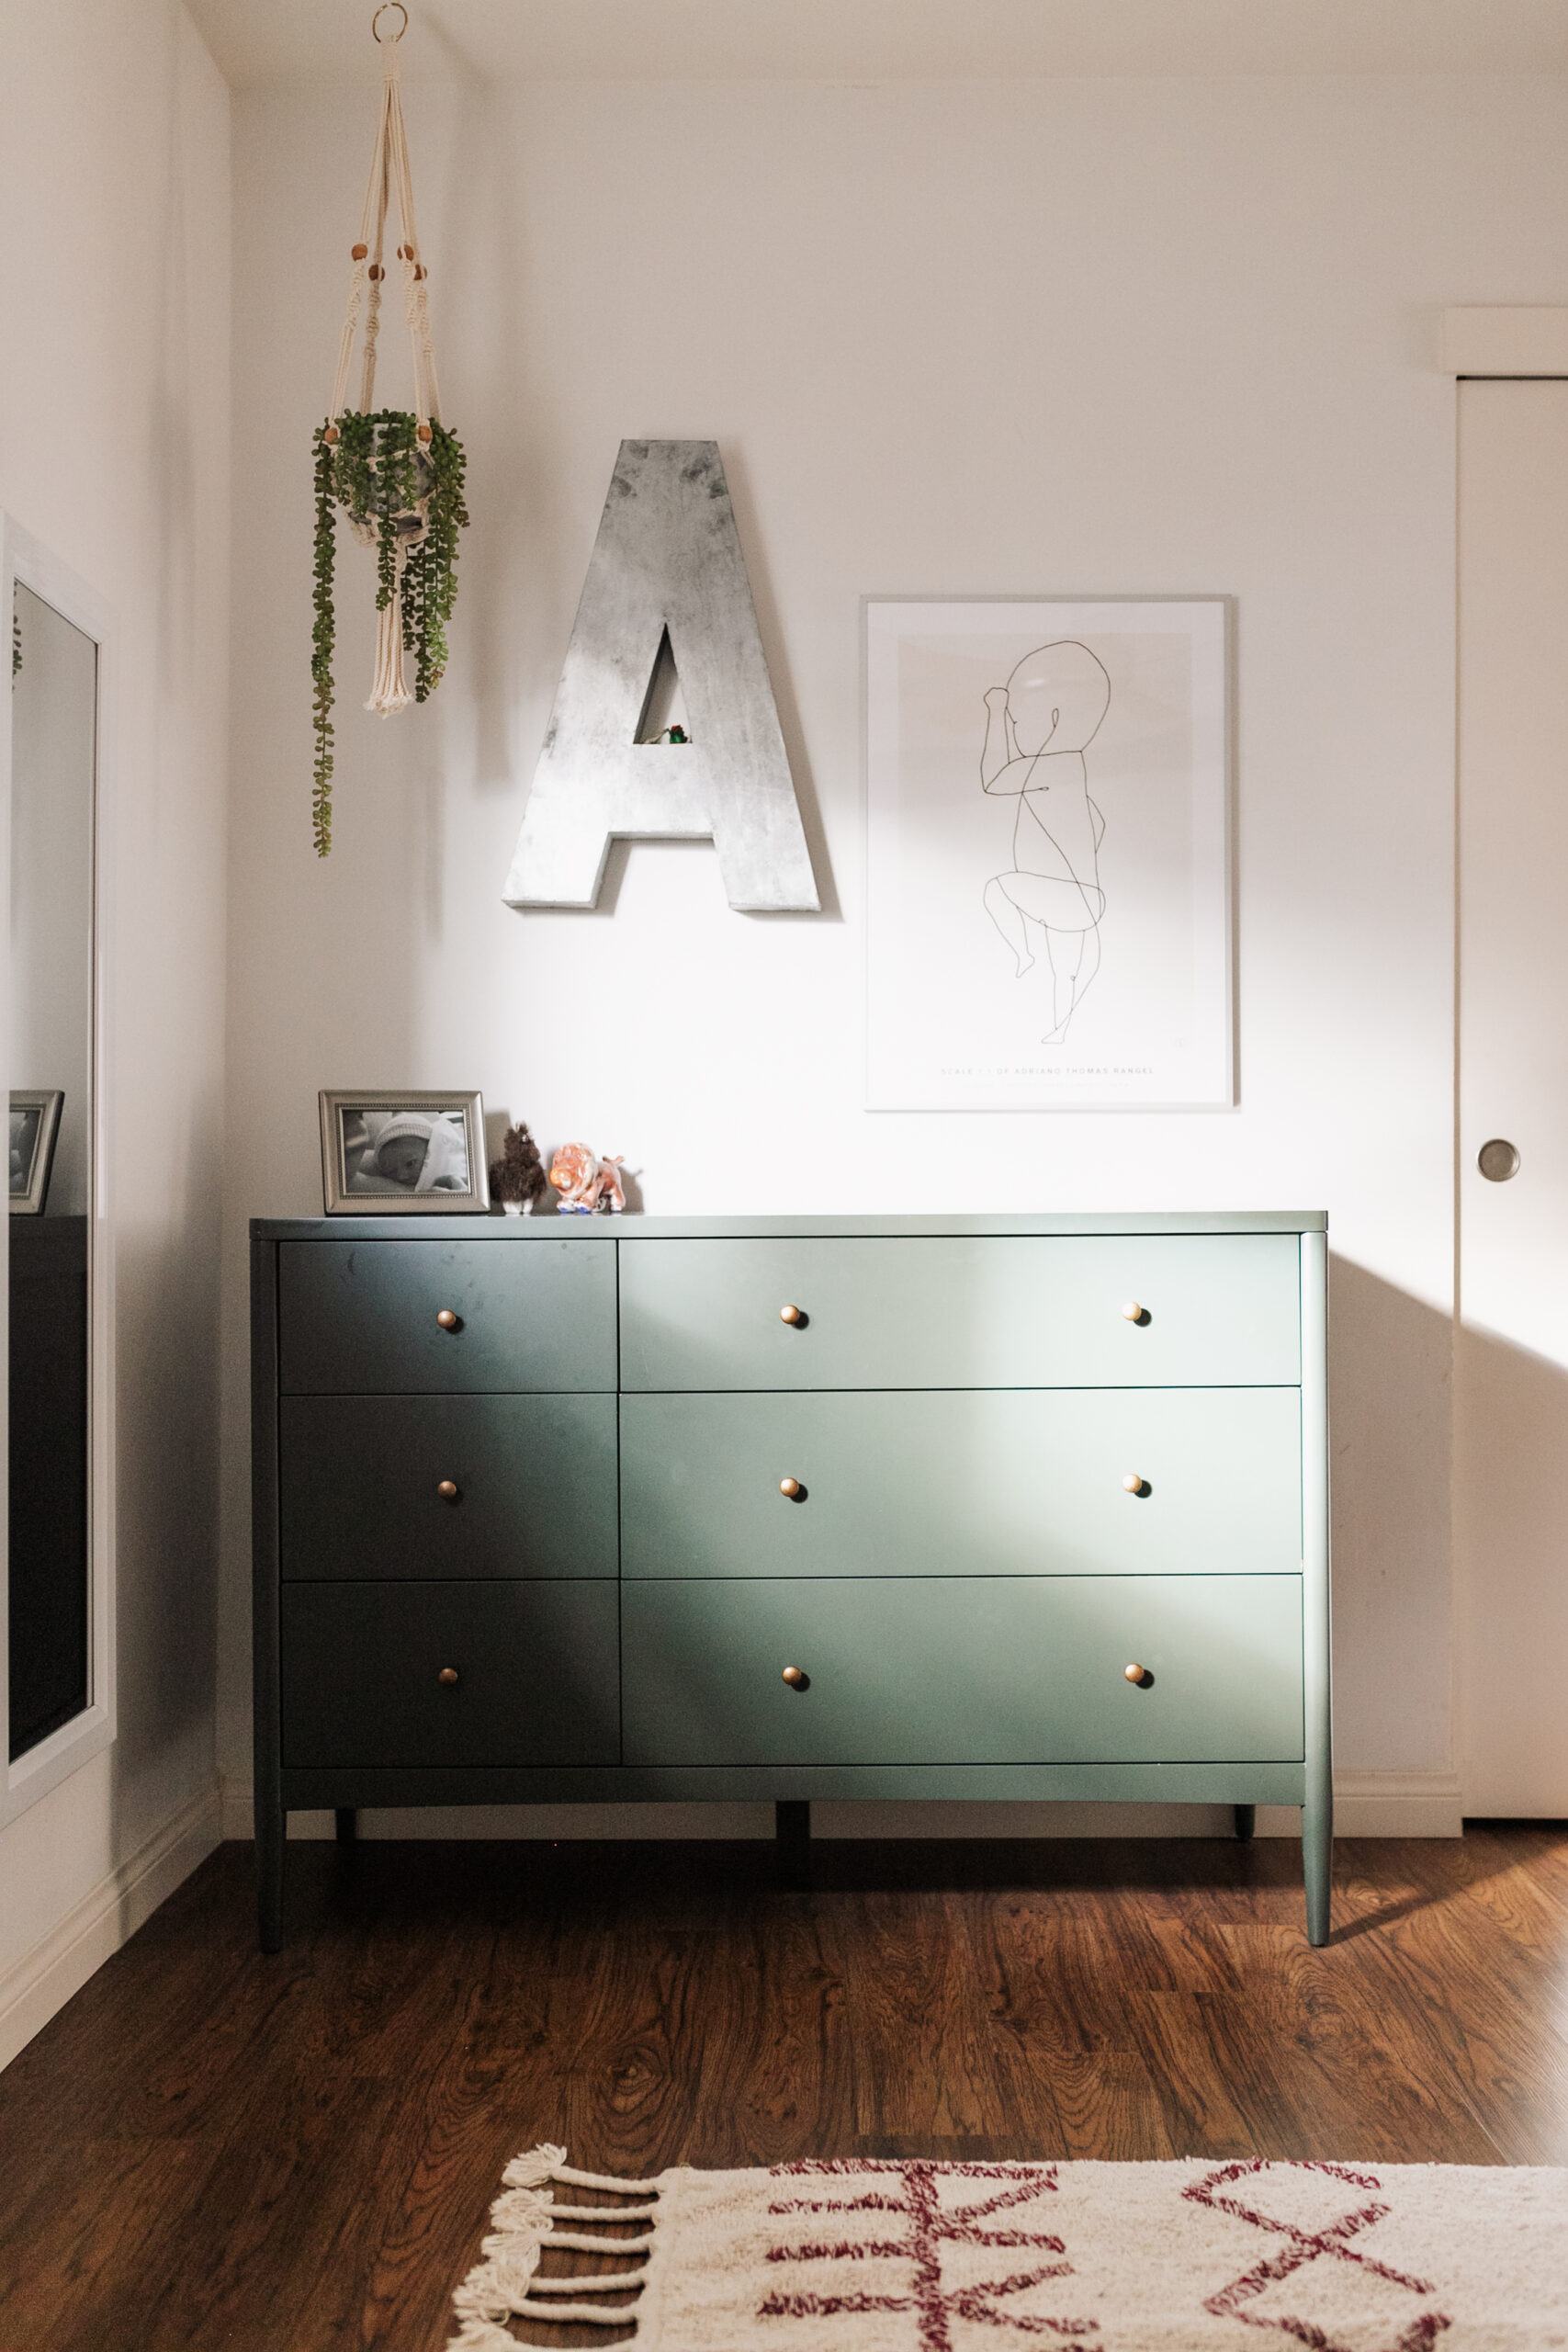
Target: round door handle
x,y
447,1490
1498,1160
790,1487
447,1320
1132,1485
1134,1673
791,1315
447,1678
794,1677
1134,1310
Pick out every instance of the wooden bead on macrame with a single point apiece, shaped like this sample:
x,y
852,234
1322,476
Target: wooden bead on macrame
x,y
331,435
357,252
375,270
424,432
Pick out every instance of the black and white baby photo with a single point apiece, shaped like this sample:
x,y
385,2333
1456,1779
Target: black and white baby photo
x,y
23,1144
399,1152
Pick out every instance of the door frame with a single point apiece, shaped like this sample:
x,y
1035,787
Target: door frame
x,y
1495,343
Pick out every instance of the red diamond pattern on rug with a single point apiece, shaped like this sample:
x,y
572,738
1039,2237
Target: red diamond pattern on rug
x,y
1302,2249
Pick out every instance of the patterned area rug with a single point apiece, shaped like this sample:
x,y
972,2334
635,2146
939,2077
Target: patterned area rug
x,y
864,2256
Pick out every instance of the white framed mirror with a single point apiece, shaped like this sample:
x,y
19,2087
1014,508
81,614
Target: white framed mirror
x,y
56,1527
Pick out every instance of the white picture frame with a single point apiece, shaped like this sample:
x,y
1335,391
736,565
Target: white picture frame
x,y
1049,896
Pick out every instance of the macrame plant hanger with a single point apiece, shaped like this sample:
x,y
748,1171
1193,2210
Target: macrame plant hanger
x,y
398,476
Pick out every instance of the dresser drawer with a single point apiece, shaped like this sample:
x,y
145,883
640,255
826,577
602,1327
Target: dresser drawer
x,y
537,1679
967,1482
974,1311
972,1671
361,1316
361,1480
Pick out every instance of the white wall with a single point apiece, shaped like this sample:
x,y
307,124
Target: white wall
x,y
114,284
971,338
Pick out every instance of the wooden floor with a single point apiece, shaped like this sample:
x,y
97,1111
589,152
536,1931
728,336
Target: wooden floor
x,y
212,2149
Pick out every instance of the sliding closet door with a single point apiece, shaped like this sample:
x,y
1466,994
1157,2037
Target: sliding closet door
x,y
1511,1365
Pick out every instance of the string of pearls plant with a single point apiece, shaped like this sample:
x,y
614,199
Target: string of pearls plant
x,y
395,474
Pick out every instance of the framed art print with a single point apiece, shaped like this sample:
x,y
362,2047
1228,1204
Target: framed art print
x,y
35,1129
1048,854
402,1154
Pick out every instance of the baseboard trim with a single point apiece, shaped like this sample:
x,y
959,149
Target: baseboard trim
x,y
44,1979
1397,1804
1366,1804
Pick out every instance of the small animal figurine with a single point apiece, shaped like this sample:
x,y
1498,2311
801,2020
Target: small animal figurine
x,y
586,1183
517,1177
574,1172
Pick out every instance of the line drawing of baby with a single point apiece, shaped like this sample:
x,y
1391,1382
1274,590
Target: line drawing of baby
x,y
1038,728
408,1151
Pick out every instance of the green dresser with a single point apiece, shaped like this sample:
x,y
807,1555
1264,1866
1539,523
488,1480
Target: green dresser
x,y
791,1508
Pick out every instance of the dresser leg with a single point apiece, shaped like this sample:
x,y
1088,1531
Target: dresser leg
x,y
791,1843
345,1820
272,1826
1317,1856
1245,1821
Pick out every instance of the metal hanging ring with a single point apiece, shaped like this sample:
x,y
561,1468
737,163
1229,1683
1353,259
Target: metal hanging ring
x,y
381,11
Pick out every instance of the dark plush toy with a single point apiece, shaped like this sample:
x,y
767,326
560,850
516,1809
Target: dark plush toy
x,y
518,1174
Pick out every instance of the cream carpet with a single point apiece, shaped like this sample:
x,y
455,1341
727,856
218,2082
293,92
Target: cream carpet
x,y
863,2257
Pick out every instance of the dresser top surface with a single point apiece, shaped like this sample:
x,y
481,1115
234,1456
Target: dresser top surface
x,y
591,1229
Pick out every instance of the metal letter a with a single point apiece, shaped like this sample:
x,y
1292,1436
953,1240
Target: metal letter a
x,y
668,556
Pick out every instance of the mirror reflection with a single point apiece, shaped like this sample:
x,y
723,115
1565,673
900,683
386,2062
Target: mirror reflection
x,y
54,758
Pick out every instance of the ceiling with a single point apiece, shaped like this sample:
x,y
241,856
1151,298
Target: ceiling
x,y
327,41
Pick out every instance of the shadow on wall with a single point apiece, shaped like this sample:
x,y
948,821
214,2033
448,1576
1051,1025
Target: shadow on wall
x,y
1511,1575
1390,1382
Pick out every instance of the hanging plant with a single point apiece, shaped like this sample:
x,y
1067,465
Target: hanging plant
x,y
396,474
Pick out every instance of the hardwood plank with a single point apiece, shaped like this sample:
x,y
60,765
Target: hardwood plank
x,y
918,2022
102,2222
1057,2009
778,2071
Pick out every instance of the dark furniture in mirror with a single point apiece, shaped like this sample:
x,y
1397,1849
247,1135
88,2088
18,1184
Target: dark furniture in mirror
x,y
54,686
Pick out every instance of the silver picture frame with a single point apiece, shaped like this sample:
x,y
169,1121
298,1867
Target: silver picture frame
x,y
35,1130
403,1151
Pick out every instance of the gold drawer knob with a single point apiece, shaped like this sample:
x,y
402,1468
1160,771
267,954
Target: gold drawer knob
x,y
790,1314
794,1677
447,1678
1134,1673
447,1490
1134,1485
447,1320
1132,1310
790,1487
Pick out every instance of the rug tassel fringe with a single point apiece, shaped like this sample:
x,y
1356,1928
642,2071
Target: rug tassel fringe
x,y
505,2284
